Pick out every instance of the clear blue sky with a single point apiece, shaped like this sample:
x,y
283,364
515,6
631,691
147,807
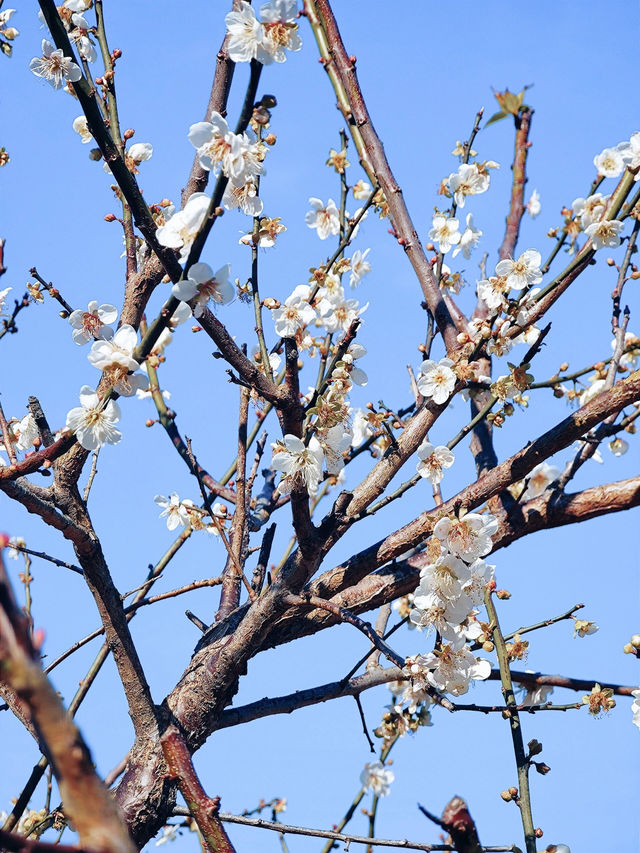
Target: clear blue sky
x,y
425,69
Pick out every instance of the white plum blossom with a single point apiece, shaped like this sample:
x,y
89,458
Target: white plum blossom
x,y
609,163
118,351
361,190
539,478
264,40
54,67
584,628
468,240
631,154
246,35
3,295
444,578
433,460
219,149
82,128
92,324
77,5
635,707
492,292
181,229
281,30
335,442
377,778
436,380
450,668
175,510
324,218
359,267
618,446
299,464
81,40
203,284
356,374
533,205
468,180
535,694
597,387
295,314
338,316
115,358
468,537
481,573
605,233
445,232
522,273
140,151
361,426
632,347
245,198
431,610
22,432
93,424
589,209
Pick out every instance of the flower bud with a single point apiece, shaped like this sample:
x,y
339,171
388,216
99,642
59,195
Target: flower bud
x,y
506,796
635,641
535,747
503,594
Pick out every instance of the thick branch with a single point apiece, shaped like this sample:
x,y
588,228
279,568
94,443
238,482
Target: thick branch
x,y
354,109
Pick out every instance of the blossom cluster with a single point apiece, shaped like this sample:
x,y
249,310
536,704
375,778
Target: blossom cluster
x,y
267,39
186,514
611,162
451,587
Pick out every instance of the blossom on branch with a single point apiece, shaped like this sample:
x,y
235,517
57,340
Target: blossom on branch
x,y
81,127
468,240
433,460
92,324
377,778
295,314
533,205
54,67
264,40
605,233
467,537
444,232
93,423
324,218
609,163
203,284
524,272
181,229
219,149
115,358
468,180
300,465
449,668
436,380
539,479
359,267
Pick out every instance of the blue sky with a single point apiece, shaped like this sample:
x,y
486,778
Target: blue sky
x,y
425,70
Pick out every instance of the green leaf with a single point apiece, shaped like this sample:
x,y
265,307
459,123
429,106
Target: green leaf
x,y
496,117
